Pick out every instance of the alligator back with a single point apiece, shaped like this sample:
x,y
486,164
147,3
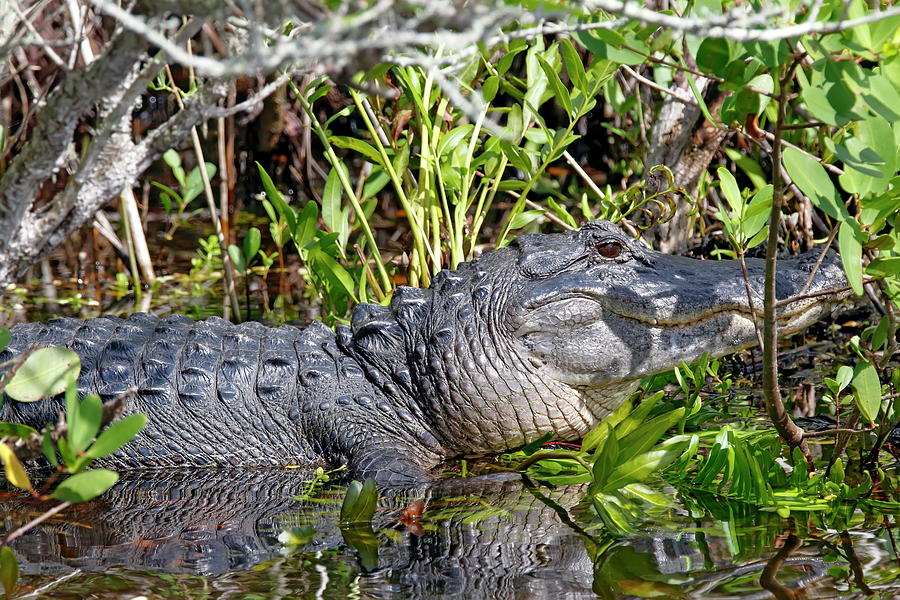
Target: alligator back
x,y
217,394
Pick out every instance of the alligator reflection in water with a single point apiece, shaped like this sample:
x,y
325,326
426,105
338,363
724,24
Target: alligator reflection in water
x,y
485,538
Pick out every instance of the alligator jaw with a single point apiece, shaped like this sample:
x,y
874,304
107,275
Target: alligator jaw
x,y
604,324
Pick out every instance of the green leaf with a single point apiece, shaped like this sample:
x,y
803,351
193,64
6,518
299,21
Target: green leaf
x,y
837,471
237,258
749,166
605,460
47,446
85,486
277,200
360,502
561,212
574,66
758,211
83,429
639,468
172,158
851,256
12,466
16,430
524,218
714,55
45,373
884,267
650,432
9,571
117,435
453,138
536,81
731,192
331,201
532,447
813,181
608,44
251,244
364,148
559,90
867,390
305,228
193,186
5,336
636,418
489,88
844,377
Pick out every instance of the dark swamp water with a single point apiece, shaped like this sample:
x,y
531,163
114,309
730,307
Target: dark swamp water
x,y
246,535
222,535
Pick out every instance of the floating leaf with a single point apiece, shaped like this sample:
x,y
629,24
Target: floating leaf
x,y
117,435
9,571
4,338
85,486
45,373
359,502
15,472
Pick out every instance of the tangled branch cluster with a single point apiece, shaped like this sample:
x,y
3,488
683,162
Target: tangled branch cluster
x,y
84,64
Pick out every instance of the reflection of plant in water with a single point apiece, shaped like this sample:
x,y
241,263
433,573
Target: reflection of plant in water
x,y
90,432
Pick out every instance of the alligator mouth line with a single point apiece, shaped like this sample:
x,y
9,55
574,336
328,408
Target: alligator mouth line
x,y
744,313
698,321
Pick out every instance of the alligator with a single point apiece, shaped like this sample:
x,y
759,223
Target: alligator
x,y
544,336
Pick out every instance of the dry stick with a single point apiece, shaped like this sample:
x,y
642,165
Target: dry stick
x,y
137,237
129,239
211,204
787,429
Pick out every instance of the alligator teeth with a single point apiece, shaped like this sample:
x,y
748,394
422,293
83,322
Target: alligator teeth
x,y
536,361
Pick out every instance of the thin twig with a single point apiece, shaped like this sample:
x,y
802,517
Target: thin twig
x,y
35,522
824,433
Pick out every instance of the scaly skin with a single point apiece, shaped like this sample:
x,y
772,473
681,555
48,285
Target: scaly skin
x,y
549,334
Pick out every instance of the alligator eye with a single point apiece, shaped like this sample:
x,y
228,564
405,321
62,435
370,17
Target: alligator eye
x,y
609,249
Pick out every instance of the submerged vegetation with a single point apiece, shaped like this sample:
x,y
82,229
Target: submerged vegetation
x,y
383,174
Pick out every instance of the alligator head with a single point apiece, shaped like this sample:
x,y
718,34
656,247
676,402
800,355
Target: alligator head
x,y
553,332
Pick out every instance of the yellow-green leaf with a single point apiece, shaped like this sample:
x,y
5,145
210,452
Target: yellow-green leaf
x,y
15,472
